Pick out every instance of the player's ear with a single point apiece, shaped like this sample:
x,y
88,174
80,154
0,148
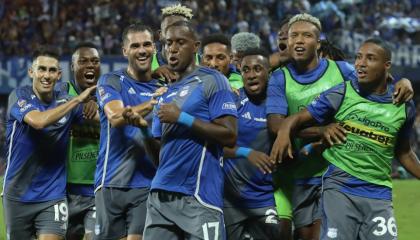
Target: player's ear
x,y
31,71
388,65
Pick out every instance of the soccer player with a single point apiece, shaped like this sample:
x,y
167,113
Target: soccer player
x,y
282,177
357,188
83,146
241,42
249,205
216,52
194,120
124,171
38,125
282,57
170,15
305,77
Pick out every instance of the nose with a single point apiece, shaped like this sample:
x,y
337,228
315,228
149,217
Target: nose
x,y
212,63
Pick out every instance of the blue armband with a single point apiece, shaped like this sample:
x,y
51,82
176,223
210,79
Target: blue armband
x,y
243,152
186,119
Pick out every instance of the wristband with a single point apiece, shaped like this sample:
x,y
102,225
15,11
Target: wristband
x,y
186,119
243,152
308,148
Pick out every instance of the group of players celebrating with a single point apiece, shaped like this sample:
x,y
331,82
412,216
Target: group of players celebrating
x,y
228,149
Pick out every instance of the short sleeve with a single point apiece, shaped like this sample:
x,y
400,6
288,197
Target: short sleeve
x,y
109,87
19,104
407,128
276,95
326,105
220,97
348,71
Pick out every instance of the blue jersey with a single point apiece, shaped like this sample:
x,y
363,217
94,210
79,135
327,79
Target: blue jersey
x,y
276,91
36,158
323,110
245,185
189,164
122,160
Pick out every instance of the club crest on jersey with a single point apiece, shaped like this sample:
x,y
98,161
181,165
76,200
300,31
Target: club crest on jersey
x,y
332,232
184,91
21,102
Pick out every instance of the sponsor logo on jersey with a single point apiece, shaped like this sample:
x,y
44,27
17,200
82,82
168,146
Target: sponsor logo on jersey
x,y
229,106
367,122
367,132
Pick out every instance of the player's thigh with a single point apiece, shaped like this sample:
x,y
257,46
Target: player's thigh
x,y
136,210
157,225
208,224
80,211
110,215
51,222
341,217
19,219
306,205
379,222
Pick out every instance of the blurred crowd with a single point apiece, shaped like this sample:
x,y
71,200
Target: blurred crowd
x,y
27,23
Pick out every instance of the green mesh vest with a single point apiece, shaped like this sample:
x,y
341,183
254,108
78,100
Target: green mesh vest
x,y
82,150
372,129
235,80
298,97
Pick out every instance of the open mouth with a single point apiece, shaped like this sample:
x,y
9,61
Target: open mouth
x,y
282,46
142,60
361,73
46,84
89,76
299,50
253,86
173,60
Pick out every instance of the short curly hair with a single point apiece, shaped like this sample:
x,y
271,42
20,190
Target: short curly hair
x,y
177,9
244,40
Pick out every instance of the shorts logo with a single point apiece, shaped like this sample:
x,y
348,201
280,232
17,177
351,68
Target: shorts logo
x,y
97,229
332,232
229,106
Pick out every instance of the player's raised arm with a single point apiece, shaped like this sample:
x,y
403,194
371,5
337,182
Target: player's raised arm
x,y
41,119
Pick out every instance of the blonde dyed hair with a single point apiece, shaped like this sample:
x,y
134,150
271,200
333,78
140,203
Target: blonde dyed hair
x,y
177,9
306,18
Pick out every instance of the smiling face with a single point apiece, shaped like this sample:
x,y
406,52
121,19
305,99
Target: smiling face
x,y
86,67
371,64
217,56
138,48
45,72
254,69
303,41
180,47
